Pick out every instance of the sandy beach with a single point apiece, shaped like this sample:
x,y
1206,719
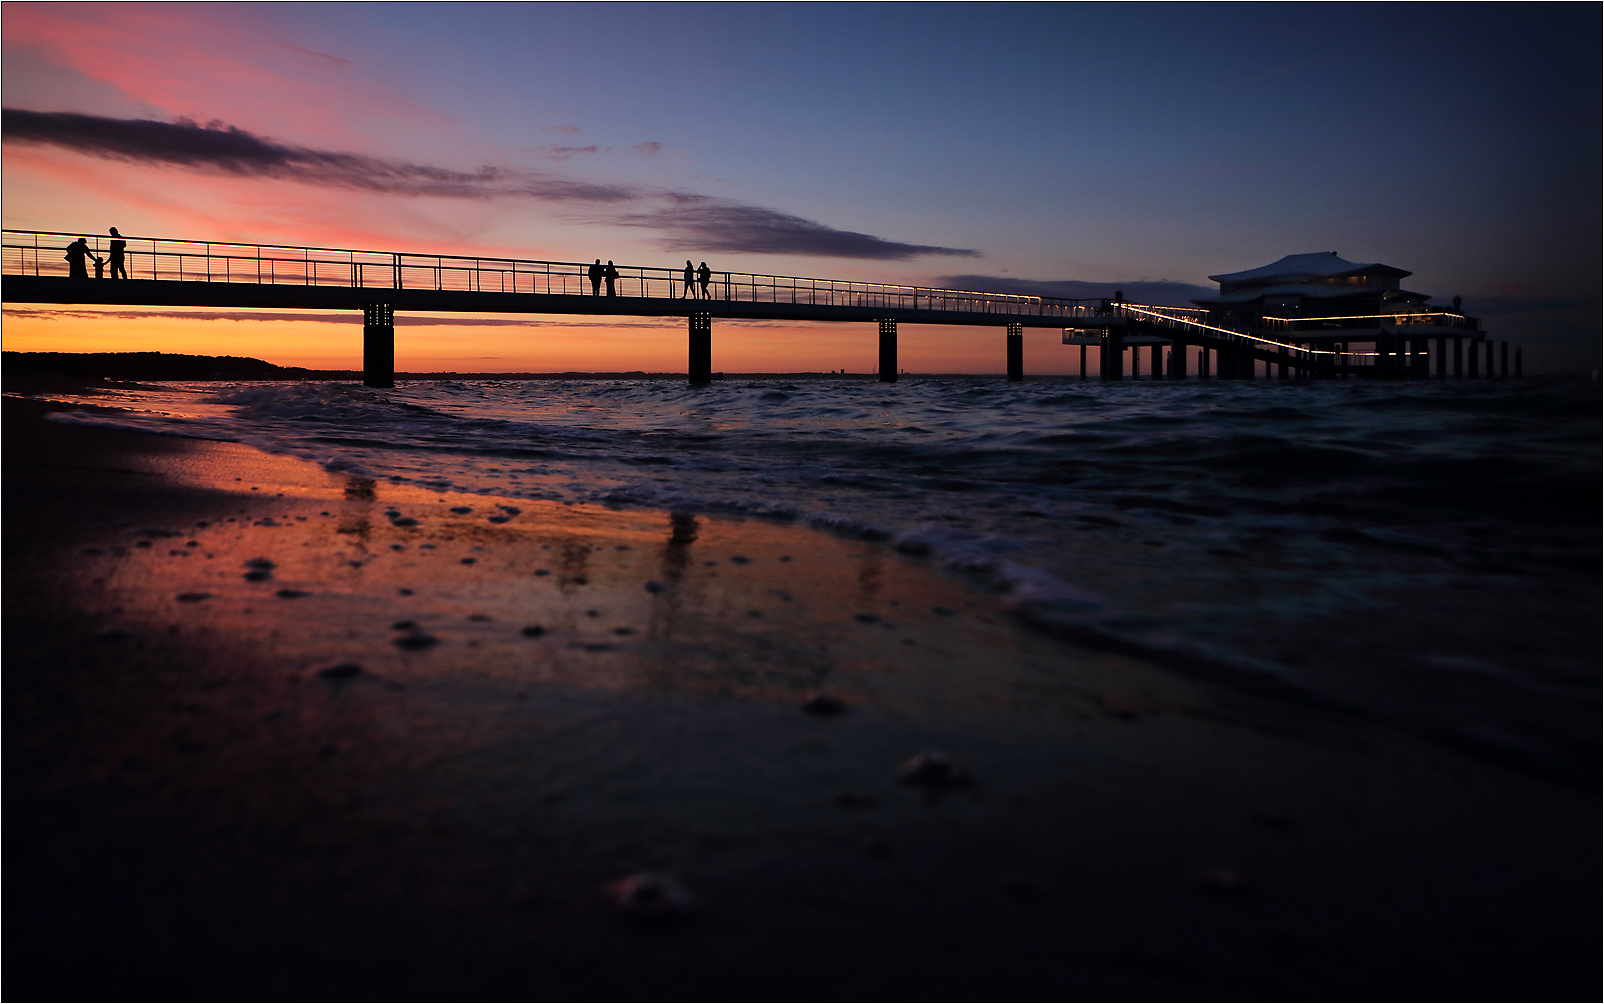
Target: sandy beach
x,y
274,731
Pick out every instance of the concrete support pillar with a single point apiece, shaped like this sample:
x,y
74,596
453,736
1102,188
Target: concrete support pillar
x,y
1178,361
701,354
1281,366
1518,372
1156,360
1459,358
1136,362
1491,372
378,345
1503,361
1442,358
1083,362
1016,353
1112,354
1202,363
888,351
1475,360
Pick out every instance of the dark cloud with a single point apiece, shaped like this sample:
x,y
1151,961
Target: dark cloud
x,y
650,148
322,57
700,223
1164,293
1521,304
218,147
689,221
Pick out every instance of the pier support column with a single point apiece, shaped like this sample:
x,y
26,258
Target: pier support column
x,y
888,351
701,349
1136,362
1459,358
1475,360
1156,358
1177,361
1503,361
1083,362
378,345
1518,373
1016,353
1442,358
1113,355
1202,363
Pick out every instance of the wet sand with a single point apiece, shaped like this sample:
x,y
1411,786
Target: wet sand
x,y
273,731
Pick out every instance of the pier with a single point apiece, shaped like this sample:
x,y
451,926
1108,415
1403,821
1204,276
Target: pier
x,y
1412,342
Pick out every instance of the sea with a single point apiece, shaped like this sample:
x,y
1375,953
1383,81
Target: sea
x,y
1423,553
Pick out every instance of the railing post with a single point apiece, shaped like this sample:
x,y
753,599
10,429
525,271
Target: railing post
x,y
701,349
1016,353
888,351
378,345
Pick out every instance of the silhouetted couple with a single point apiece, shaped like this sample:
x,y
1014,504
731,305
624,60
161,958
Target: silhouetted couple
x,y
598,272
78,257
693,276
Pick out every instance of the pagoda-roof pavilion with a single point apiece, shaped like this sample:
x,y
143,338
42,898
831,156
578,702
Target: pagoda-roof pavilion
x,y
1309,285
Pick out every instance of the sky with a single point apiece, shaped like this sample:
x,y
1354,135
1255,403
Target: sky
x,y
1065,149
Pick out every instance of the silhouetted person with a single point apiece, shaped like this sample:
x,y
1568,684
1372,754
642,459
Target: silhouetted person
x,y
77,251
690,280
118,246
100,265
612,277
1457,302
704,275
596,272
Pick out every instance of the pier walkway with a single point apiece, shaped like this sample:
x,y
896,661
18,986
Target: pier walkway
x,y
171,273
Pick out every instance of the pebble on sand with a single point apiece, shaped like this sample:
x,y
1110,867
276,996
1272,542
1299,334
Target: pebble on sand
x,y
290,594
193,597
417,641
344,671
653,586
824,706
533,631
1222,882
259,569
933,771
649,896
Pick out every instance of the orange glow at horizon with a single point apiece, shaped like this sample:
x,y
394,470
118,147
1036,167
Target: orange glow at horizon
x,y
535,344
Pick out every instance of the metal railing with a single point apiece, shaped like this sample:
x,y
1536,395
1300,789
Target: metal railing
x,y
35,252
1435,318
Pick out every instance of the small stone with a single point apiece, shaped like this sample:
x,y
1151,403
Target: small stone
x,y
849,798
510,510
290,594
344,671
498,519
193,597
623,631
1222,882
736,559
649,896
542,571
533,631
404,625
824,706
934,772
655,587
417,641
469,561
404,521
865,618
462,509
404,592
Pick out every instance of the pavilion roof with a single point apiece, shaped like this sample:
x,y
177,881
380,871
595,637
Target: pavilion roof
x,y
1323,263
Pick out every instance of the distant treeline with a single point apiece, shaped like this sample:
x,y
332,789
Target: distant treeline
x,y
159,366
